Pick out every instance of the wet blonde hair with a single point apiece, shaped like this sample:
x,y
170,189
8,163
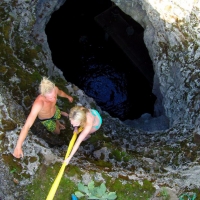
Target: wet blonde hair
x,y
46,86
78,114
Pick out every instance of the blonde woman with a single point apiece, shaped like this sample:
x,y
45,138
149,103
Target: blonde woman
x,y
44,107
90,121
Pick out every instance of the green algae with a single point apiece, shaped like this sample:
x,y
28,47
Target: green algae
x,y
3,70
13,164
40,187
119,155
73,171
8,124
101,164
133,190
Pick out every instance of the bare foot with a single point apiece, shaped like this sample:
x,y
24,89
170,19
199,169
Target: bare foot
x,y
62,127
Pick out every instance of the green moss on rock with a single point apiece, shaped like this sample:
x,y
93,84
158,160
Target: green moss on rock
x,y
8,124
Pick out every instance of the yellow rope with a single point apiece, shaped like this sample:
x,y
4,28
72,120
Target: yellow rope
x,y
59,176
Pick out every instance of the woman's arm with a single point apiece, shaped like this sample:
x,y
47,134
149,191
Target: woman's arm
x,y
81,137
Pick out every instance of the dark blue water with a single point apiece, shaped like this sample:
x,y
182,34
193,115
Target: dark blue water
x,y
93,62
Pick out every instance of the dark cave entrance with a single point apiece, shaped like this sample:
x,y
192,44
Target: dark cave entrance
x,y
83,47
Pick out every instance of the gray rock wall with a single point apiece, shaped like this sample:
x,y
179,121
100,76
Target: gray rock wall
x,y
172,36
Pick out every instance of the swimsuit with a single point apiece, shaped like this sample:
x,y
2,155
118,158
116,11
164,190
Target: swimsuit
x,y
96,113
50,123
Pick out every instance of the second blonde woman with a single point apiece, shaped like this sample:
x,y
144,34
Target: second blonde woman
x,y
88,119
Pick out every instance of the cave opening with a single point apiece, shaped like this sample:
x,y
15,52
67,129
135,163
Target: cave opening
x,y
106,67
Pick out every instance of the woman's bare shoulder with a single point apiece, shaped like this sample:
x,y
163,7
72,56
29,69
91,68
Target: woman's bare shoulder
x,y
90,117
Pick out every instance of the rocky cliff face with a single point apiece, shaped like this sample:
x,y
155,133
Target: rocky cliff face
x,y
172,36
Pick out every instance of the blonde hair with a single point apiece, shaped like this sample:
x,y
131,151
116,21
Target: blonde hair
x,y
46,86
78,113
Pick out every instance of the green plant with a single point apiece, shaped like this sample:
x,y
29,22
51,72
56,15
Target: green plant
x,y
164,193
188,195
93,192
13,170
